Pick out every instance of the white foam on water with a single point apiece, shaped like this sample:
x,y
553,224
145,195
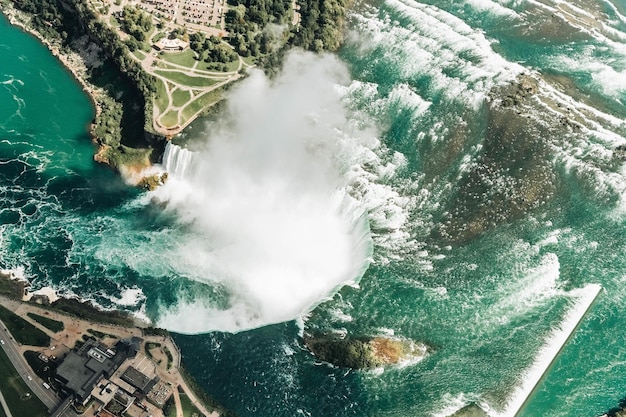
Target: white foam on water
x,y
141,314
605,76
614,9
18,273
340,316
457,59
521,291
493,7
179,161
47,291
453,403
130,297
553,346
276,202
551,239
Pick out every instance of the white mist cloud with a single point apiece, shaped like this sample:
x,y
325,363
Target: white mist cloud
x,y
271,223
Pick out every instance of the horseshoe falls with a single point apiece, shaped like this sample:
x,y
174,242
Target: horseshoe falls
x,y
453,176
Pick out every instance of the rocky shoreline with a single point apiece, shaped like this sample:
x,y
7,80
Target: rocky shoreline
x,y
81,57
365,352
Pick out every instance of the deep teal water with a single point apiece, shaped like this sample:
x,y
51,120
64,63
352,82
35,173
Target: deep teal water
x,y
461,268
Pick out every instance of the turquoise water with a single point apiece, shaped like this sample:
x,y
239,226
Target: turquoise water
x,y
485,222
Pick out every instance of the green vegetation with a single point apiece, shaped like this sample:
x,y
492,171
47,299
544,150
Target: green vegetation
x,y
180,97
114,407
161,101
140,55
19,398
169,119
11,288
202,102
87,311
126,109
154,331
169,408
189,410
44,370
349,353
211,49
51,324
321,26
248,22
185,58
23,332
170,358
99,334
127,156
215,66
259,31
2,414
186,80
148,348
136,23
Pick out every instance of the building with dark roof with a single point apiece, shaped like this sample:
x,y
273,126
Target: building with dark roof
x,y
137,380
81,370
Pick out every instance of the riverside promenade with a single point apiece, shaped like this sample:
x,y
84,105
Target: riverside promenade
x,y
163,352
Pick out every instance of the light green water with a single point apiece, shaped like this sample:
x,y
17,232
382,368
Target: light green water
x,y
482,234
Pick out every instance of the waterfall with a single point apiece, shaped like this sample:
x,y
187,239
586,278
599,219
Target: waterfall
x,y
179,162
277,238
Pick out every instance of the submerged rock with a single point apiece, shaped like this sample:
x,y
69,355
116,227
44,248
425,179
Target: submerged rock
x,y
152,182
620,152
471,410
365,352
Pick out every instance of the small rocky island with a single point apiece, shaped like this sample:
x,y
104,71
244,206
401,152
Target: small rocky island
x,y
365,352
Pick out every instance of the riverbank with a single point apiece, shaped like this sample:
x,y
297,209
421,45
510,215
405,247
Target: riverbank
x,y
117,127
158,345
72,61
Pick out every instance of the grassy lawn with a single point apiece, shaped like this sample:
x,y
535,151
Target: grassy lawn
x,y
157,37
20,399
140,55
188,407
161,100
97,333
186,80
202,102
250,60
180,97
24,332
169,409
207,66
148,349
51,324
42,369
114,22
169,119
185,58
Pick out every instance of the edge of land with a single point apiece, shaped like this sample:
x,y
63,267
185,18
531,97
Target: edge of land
x,y
82,322
143,97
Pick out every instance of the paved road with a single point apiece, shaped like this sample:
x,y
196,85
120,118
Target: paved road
x,y
5,406
48,397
